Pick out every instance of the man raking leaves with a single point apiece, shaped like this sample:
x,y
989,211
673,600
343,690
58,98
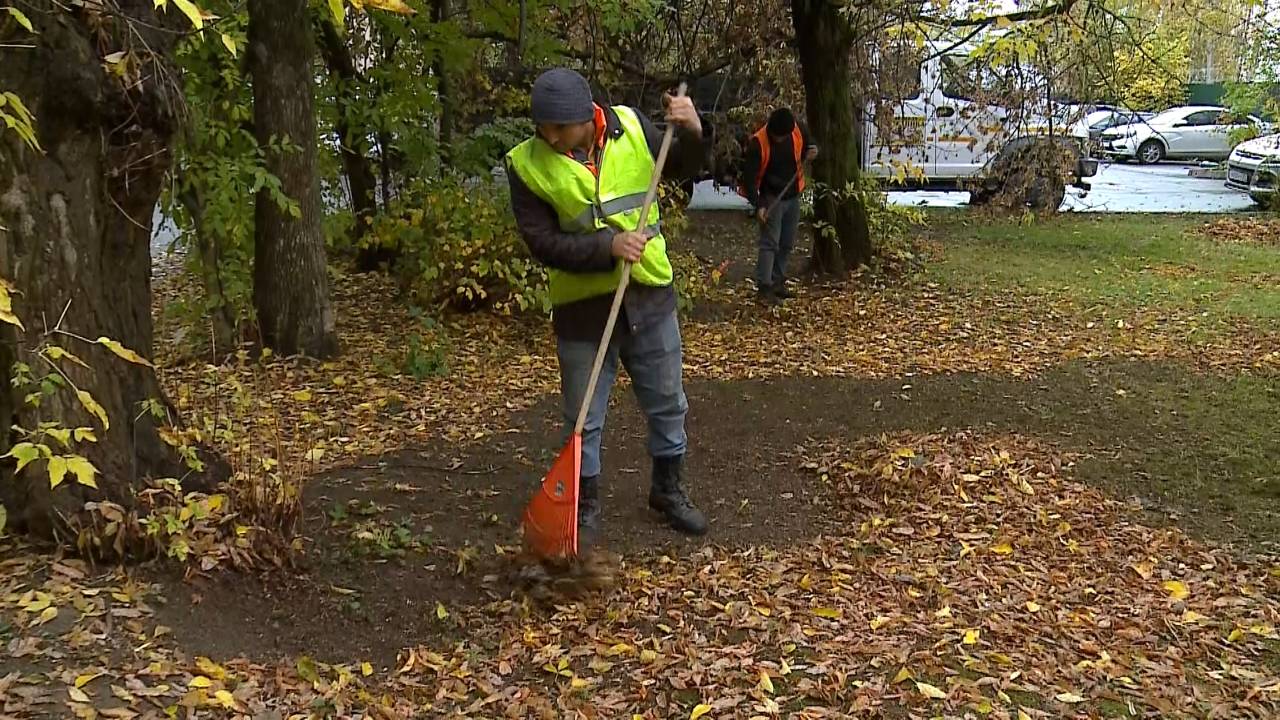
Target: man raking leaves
x,y
578,189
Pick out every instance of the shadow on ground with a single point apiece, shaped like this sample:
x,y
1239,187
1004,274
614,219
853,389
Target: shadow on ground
x,y
394,536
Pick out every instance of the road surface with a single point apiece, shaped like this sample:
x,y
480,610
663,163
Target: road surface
x,y
1116,188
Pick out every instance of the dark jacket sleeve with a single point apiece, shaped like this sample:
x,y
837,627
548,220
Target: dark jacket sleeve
x,y
685,157
750,169
540,229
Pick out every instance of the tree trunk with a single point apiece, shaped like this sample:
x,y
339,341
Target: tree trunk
x,y
222,320
444,89
842,240
290,277
356,165
75,230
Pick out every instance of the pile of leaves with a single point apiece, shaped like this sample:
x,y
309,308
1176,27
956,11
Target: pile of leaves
x,y
976,580
1244,230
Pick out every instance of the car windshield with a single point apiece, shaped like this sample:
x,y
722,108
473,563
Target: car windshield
x,y
1097,118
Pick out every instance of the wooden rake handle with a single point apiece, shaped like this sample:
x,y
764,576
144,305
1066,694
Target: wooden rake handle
x,y
626,276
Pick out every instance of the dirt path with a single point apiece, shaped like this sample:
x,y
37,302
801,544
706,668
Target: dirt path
x,y
397,535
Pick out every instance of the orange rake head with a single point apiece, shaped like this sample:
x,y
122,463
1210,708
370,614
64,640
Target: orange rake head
x,y
551,519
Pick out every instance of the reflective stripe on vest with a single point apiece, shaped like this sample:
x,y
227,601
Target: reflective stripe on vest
x,y
586,202
797,142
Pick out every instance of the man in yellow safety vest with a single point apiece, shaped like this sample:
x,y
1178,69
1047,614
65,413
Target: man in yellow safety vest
x,y
577,187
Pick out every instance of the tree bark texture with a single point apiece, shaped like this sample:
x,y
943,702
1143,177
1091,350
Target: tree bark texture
x,y
290,277
75,230
842,240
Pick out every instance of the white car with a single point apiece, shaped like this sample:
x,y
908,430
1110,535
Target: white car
x,y
1254,167
1191,131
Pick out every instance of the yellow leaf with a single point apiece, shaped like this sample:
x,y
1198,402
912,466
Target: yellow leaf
x,y
829,613
971,637
903,674
701,709
366,669
230,44
1235,635
206,666
339,14
1022,714
200,681
302,396
116,347
87,678
648,656
22,19
1176,589
1003,548
25,453
226,699
83,470
786,667
57,470
78,695
1070,698
766,684
576,682
945,612
930,691
879,621
84,433
47,614
192,12
57,352
395,6
1191,616
6,302
94,408
1033,606
441,612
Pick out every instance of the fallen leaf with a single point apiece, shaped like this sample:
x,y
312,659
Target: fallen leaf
x,y
78,695
930,691
1003,548
1176,589
699,711
971,637
766,684
1069,698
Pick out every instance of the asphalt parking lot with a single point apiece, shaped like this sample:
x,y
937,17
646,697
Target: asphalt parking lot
x,y
1117,187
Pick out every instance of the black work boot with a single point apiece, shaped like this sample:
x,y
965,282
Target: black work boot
x,y
667,496
780,289
588,511
767,296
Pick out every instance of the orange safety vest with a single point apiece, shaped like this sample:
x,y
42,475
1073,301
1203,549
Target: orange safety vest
x,y
762,137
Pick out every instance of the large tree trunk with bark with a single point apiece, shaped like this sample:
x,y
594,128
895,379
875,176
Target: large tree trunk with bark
x,y
75,230
353,137
290,277
842,240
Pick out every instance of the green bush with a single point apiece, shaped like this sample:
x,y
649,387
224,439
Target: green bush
x,y
458,247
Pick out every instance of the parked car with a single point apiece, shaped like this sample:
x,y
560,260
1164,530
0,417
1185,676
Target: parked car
x,y
1091,126
1190,131
1254,168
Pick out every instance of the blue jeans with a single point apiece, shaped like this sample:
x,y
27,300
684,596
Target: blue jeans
x,y
777,238
653,359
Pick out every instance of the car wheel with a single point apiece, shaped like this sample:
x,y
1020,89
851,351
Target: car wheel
x,y
1150,152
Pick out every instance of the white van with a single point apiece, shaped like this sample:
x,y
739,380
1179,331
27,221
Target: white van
x,y
941,137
